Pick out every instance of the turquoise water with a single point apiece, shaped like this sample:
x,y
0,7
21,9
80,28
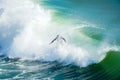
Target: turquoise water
x,y
15,69
91,29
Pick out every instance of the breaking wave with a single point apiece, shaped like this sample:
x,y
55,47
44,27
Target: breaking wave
x,y
27,28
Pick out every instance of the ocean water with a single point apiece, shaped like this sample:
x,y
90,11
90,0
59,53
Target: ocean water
x,y
91,30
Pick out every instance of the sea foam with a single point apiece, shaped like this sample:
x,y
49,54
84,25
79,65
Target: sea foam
x,y
26,29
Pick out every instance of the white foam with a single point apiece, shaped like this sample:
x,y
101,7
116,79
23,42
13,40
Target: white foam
x,y
28,28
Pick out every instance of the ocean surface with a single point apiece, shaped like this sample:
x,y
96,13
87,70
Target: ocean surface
x,y
88,47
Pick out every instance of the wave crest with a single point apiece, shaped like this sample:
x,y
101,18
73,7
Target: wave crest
x,y
27,28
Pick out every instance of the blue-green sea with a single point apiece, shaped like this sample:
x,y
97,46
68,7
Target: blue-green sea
x,y
59,39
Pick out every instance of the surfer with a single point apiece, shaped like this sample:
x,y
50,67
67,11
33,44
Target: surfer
x,y
58,38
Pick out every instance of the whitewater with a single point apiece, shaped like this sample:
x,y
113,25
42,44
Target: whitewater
x,y
27,28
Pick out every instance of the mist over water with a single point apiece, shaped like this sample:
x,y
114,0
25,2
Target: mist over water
x,y
88,46
27,27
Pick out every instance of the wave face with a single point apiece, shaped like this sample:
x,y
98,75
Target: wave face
x,y
27,27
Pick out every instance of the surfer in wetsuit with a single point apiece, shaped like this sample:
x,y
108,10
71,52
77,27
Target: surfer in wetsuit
x,y
58,37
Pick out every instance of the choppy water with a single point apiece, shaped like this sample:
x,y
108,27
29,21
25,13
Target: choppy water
x,y
15,69
91,29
